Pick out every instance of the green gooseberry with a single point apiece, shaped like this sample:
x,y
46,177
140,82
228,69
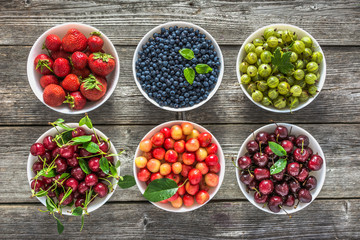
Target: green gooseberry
x,y
280,42
298,47
266,56
317,57
265,46
292,102
266,101
299,64
317,76
243,67
258,42
251,71
307,41
279,34
268,33
259,50
304,96
295,90
258,63
293,57
273,93
257,96
280,102
298,74
287,36
272,41
264,70
262,86
301,83
290,80
312,89
272,82
256,78
251,57
245,79
283,88
251,88
310,78
307,52
249,47
312,67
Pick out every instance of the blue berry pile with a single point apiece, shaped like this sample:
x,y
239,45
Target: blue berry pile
x,y
160,66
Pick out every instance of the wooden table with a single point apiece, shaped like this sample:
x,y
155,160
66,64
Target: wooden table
x,y
333,119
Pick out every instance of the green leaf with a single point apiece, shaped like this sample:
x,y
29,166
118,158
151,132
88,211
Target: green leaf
x,y
60,227
77,211
187,53
41,193
278,166
49,205
66,195
64,175
91,147
189,74
86,121
277,149
59,120
160,189
104,165
64,126
51,173
203,68
282,63
82,222
103,56
66,136
127,181
82,139
117,164
113,171
84,166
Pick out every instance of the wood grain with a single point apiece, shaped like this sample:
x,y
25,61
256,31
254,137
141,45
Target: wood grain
x,y
336,140
229,22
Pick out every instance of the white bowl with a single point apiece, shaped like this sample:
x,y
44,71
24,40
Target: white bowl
x,y
212,191
314,145
98,202
157,29
60,30
301,33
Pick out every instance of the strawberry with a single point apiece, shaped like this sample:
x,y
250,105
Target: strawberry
x,y
101,63
60,54
93,87
54,95
43,64
75,100
79,60
74,41
61,67
47,80
53,42
71,83
95,42
83,73
88,52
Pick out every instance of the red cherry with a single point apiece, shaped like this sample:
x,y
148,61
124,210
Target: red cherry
x,y
195,176
211,160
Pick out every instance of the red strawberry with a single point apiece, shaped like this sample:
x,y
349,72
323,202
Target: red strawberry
x,y
71,83
43,64
95,42
54,95
76,100
53,42
60,54
88,52
101,63
93,88
61,67
47,80
79,60
74,41
83,73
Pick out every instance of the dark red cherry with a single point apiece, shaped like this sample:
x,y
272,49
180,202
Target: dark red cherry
x,y
260,159
104,146
67,151
79,131
71,183
78,173
73,162
67,201
293,169
303,174
101,189
301,155
253,185
294,186
260,198
289,200
45,157
94,164
315,163
252,147
287,145
61,165
36,185
79,202
311,183
37,166
84,153
300,140
304,195
82,188
272,137
55,152
274,204
46,180
91,180
268,151
246,178
281,132
48,143
261,173
292,138
94,138
282,189
37,149
266,186
309,149
262,137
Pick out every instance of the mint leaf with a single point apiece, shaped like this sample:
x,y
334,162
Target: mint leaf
x,y
104,165
160,189
277,149
278,166
127,181
91,147
282,63
187,53
189,74
84,166
203,68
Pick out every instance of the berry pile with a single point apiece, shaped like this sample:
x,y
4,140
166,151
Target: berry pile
x,y
160,67
280,70
75,69
192,164
277,167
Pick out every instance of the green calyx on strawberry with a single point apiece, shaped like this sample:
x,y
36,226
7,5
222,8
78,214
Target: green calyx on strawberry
x,y
70,100
91,82
43,63
95,34
103,56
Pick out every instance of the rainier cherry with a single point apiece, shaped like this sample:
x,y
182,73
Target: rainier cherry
x,y
145,145
195,176
158,139
177,203
158,153
169,143
153,165
204,139
188,158
215,168
192,145
211,160
201,154
143,174
171,156
188,200
179,146
176,132
202,197
211,179
166,131
176,167
187,128
155,176
212,148
191,189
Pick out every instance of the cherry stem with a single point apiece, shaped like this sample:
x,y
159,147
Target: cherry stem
x,y
280,206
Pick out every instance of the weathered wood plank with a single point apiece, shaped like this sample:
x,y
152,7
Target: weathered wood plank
x,y
230,22
338,102
337,141
323,219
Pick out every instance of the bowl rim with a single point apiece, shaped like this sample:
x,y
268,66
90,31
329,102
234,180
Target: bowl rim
x,y
182,24
31,159
322,77
322,171
100,102
220,155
